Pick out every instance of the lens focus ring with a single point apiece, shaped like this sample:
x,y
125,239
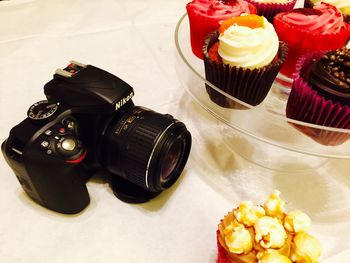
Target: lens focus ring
x,y
132,142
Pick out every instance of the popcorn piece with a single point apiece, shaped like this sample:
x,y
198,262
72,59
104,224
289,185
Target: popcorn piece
x,y
274,206
237,238
307,248
297,221
248,214
269,232
272,256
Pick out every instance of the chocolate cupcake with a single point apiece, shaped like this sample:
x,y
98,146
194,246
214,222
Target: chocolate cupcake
x,y
242,59
321,95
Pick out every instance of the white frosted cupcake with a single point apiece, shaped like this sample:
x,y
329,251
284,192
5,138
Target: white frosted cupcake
x,y
242,59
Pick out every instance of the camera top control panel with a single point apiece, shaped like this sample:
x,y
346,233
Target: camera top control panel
x,y
80,85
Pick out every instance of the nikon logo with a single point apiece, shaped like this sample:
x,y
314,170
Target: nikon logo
x,y
124,100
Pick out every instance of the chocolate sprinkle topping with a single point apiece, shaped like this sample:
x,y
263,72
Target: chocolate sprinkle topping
x,y
330,75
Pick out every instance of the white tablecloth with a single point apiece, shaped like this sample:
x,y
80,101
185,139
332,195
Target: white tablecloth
x,y
134,40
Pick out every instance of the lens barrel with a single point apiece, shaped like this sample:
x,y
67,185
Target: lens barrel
x,y
146,148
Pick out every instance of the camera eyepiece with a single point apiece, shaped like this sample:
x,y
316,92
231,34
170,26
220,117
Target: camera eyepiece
x,y
147,149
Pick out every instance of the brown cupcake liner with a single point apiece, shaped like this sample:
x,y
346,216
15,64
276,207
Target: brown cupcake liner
x,y
308,4
250,86
307,105
301,42
269,10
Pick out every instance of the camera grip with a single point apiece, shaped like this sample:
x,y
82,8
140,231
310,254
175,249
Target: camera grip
x,y
48,164
54,165
59,183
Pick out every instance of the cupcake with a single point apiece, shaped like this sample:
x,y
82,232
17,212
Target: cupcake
x,y
342,5
321,95
205,16
269,8
242,59
253,233
310,29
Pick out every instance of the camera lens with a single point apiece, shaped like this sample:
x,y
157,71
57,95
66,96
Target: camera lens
x,y
172,158
146,148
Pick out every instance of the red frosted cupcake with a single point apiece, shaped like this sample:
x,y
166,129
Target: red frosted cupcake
x,y
269,8
242,59
321,95
310,29
342,5
206,15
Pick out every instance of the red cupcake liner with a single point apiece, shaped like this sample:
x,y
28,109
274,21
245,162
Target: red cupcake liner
x,y
307,105
301,42
248,85
269,10
222,257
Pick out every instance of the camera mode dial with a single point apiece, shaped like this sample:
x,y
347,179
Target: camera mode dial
x,y
42,110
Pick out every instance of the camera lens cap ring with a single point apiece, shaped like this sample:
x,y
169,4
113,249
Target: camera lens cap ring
x,y
129,192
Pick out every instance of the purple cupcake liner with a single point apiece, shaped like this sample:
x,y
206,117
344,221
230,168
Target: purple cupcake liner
x,y
269,10
307,105
248,85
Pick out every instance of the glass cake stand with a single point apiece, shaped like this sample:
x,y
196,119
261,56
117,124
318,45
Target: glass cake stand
x,y
260,134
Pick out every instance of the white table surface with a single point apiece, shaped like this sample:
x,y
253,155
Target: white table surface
x,y
135,40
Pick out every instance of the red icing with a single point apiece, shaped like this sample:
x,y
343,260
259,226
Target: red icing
x,y
307,30
206,15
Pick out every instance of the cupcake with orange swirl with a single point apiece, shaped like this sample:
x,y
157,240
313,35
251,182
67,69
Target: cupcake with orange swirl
x,y
242,59
206,15
307,30
266,234
342,5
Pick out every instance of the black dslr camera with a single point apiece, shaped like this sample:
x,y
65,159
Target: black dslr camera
x,y
87,124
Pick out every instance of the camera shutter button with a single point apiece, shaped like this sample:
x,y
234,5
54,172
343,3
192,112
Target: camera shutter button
x,y
68,144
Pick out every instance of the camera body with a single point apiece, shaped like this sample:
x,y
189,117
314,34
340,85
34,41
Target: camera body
x,y
87,124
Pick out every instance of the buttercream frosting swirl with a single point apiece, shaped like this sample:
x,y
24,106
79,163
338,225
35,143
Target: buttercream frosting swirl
x,y
247,47
220,9
322,18
342,5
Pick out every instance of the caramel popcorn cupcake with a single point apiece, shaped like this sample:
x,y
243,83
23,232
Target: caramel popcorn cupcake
x,y
266,234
